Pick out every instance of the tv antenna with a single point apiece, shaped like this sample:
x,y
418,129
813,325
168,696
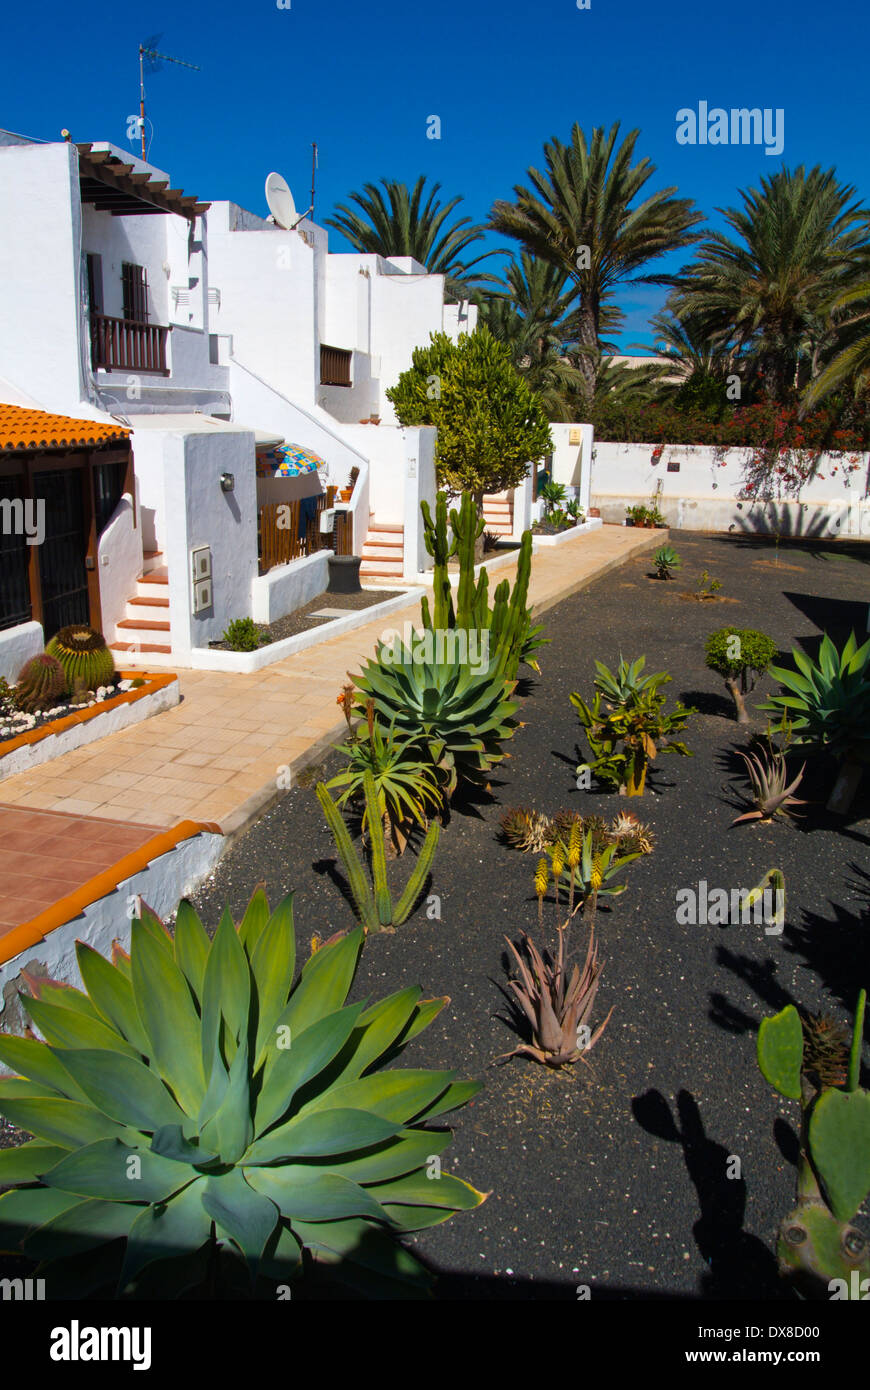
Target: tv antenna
x,y
150,60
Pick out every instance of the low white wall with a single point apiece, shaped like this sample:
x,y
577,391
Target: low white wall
x,y
119,558
17,645
31,755
243,663
359,508
573,533
288,587
703,494
162,883
401,474
522,514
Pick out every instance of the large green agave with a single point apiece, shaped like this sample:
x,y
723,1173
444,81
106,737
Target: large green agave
x,y
828,707
201,1123
460,718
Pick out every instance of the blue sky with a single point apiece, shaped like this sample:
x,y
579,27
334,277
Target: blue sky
x,y
503,76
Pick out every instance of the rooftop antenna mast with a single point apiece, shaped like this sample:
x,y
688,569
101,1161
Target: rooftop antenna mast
x,y
148,56
313,169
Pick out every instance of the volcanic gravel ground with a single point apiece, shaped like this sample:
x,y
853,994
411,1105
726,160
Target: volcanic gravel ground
x,y
614,1175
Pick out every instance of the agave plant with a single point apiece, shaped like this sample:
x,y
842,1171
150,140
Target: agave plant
x,y
459,718
666,560
404,781
771,791
200,1122
557,1004
829,708
626,685
376,910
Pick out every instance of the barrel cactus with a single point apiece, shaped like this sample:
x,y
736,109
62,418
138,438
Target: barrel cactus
x,y
84,656
41,683
200,1123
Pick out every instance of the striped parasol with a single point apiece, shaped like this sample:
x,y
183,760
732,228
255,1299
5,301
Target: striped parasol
x,y
288,461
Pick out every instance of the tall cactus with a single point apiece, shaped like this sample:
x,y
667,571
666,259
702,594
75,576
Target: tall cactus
x,y
511,637
441,549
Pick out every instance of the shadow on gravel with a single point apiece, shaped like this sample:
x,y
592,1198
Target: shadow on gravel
x,y
836,616
740,1265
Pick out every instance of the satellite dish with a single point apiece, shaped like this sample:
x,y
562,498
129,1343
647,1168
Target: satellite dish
x,y
280,200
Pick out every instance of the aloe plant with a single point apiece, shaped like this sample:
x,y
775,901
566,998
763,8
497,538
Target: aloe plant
x,y
771,789
819,1250
628,732
202,1123
376,910
828,705
405,782
557,1003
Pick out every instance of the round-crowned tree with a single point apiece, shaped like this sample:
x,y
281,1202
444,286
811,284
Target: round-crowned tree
x,y
490,424
740,655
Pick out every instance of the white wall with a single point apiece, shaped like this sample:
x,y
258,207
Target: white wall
x,y
198,512
572,462
703,494
18,645
119,563
40,273
287,587
266,280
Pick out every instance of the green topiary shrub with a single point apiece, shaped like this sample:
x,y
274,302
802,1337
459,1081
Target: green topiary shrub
x,y
84,656
740,655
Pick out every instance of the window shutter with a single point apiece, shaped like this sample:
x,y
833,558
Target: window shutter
x,y
95,283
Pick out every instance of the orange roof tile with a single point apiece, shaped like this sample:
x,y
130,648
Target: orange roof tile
x,y
35,429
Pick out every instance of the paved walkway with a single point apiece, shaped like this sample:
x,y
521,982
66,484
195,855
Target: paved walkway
x,y
217,756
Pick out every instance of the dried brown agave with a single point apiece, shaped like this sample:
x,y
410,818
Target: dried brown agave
x,y
557,1005
631,835
530,831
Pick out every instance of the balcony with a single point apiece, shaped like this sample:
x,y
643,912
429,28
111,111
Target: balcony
x,y
122,345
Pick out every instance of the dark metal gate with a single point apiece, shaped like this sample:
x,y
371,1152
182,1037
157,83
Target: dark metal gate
x,y
63,574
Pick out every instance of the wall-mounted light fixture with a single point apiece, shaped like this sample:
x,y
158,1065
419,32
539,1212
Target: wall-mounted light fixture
x,y
228,482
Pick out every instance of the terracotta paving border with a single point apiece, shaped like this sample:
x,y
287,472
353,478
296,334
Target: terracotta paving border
x,y
215,757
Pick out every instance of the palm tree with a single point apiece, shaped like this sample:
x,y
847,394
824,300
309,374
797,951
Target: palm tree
x,y
397,222
532,316
584,217
849,364
769,293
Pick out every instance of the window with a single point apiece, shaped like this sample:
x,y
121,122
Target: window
x,y
95,283
135,286
15,606
334,366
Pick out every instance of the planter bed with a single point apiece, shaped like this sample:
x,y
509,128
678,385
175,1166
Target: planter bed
x,y
219,659
571,533
86,723
304,618
590,1178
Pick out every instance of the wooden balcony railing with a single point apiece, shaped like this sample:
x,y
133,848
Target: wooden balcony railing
x,y
279,539
122,345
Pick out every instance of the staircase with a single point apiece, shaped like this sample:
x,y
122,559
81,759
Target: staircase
x,y
145,626
383,552
498,513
